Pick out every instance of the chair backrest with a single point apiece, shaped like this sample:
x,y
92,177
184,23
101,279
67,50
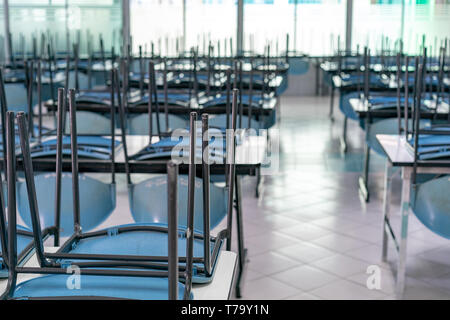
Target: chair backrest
x,y
146,205
139,125
16,97
90,123
83,80
97,201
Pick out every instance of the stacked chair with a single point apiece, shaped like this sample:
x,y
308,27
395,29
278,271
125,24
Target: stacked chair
x,y
144,258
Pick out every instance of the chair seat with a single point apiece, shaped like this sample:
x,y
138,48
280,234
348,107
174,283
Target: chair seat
x,y
54,286
94,147
143,243
165,147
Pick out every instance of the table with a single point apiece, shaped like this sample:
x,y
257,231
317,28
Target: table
x,y
400,159
219,288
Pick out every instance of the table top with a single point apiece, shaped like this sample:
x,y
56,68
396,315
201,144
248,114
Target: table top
x,y
218,289
250,154
400,154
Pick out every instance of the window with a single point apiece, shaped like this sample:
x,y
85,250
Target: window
x,y
376,24
313,26
211,20
429,18
53,21
88,20
159,22
267,22
320,25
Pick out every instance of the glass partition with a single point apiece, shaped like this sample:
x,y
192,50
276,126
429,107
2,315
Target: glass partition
x,y
64,22
157,24
313,26
212,21
377,24
89,21
427,21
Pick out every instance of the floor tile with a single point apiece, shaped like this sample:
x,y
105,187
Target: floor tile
x,y
271,262
267,289
339,243
305,277
341,265
305,252
347,290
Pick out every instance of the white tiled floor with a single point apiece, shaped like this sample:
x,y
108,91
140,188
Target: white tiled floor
x,y
310,237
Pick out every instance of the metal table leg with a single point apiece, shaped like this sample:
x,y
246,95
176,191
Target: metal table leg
x,y
333,89
343,139
317,77
405,206
242,252
364,178
386,207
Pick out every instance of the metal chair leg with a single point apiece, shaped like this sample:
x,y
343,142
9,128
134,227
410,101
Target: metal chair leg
x,y
242,252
